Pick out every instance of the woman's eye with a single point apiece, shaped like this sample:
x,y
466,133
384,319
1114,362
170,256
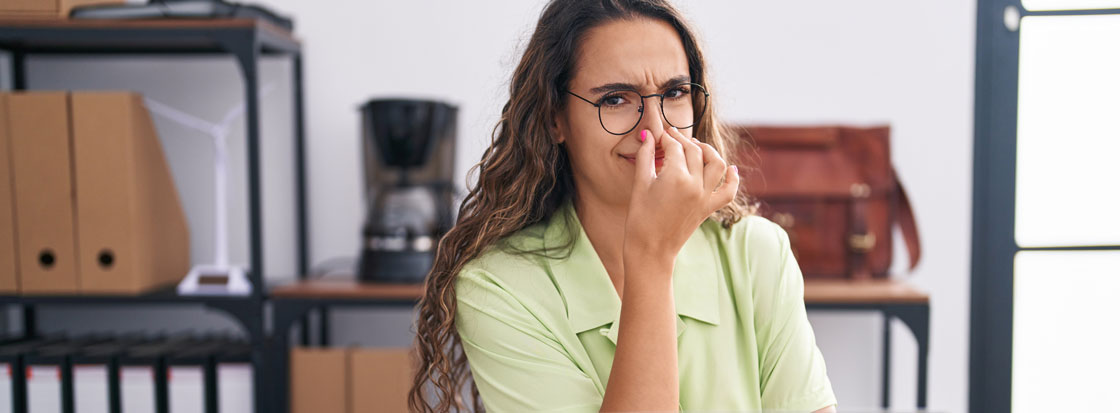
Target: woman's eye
x,y
677,92
613,100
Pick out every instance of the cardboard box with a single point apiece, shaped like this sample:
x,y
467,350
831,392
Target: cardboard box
x,y
319,380
380,379
131,230
96,209
39,135
351,380
45,9
9,278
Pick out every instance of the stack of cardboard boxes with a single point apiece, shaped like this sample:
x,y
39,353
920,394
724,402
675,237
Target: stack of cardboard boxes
x,y
351,380
87,201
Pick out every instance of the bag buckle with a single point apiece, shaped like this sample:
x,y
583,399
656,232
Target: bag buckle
x,y
784,220
862,243
860,190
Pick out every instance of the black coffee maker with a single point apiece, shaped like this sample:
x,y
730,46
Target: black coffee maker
x,y
409,152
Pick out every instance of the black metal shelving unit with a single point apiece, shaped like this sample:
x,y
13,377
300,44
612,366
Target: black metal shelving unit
x,y
246,40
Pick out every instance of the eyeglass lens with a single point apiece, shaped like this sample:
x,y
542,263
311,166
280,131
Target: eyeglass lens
x,y
620,111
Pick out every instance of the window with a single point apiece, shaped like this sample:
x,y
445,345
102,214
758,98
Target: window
x,y
1046,191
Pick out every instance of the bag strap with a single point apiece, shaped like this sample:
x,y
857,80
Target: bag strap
x,y
908,224
859,263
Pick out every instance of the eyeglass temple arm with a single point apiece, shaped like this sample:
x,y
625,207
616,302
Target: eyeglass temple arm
x,y
581,98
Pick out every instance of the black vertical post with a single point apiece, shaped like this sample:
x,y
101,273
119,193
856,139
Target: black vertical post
x,y
67,378
303,260
886,359
30,329
922,334
324,326
285,314
246,50
19,386
301,166
252,108
993,208
114,373
19,70
210,381
163,399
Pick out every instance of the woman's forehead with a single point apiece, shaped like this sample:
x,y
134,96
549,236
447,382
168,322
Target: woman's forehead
x,y
644,52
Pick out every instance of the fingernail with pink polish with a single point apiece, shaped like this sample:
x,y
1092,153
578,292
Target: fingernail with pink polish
x,y
643,135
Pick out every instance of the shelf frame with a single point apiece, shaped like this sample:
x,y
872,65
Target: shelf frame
x,y
246,40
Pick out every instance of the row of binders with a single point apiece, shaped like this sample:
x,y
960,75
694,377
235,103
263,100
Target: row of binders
x,y
131,374
87,201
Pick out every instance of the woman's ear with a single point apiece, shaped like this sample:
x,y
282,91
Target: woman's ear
x,y
557,133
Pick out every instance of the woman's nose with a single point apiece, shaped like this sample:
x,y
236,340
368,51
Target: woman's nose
x,y
651,117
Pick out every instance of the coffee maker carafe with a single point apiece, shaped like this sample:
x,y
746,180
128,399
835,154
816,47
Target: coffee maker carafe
x,y
409,151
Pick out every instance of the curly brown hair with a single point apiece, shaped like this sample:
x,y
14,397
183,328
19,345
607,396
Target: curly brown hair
x,y
524,176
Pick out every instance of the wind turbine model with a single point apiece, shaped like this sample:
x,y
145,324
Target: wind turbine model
x,y
219,277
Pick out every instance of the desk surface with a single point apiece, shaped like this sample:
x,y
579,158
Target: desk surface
x,y
346,289
863,292
816,292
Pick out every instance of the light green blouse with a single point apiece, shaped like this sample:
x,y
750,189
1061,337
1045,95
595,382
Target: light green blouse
x,y
539,333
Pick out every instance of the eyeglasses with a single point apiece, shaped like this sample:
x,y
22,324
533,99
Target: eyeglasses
x,y
620,111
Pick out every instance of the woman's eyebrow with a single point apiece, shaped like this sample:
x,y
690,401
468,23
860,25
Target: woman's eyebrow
x,y
630,86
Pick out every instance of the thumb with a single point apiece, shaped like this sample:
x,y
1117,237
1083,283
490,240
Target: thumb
x,y
644,170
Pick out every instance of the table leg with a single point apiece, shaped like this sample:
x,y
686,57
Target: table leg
x,y
886,403
916,317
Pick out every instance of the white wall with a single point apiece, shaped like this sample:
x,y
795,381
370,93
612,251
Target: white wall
x,y
869,61
909,64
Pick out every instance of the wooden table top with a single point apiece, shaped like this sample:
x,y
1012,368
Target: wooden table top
x,y
333,288
863,292
816,291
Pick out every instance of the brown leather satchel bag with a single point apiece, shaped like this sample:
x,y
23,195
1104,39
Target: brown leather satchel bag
x,y
834,191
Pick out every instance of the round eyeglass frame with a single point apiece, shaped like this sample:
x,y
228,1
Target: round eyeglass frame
x,y
642,111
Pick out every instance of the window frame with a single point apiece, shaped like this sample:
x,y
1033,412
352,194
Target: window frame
x,y
993,202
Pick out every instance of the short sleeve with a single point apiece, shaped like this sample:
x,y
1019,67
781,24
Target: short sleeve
x,y
516,361
792,370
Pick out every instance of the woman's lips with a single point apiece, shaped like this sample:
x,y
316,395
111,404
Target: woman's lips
x,y
657,160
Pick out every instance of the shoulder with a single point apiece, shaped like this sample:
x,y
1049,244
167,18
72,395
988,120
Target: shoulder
x,y
503,269
756,251
752,238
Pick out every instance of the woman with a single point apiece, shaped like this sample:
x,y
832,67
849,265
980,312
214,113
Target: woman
x,y
606,259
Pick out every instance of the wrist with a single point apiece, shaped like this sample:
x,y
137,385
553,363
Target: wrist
x,y
641,254
643,265
650,255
